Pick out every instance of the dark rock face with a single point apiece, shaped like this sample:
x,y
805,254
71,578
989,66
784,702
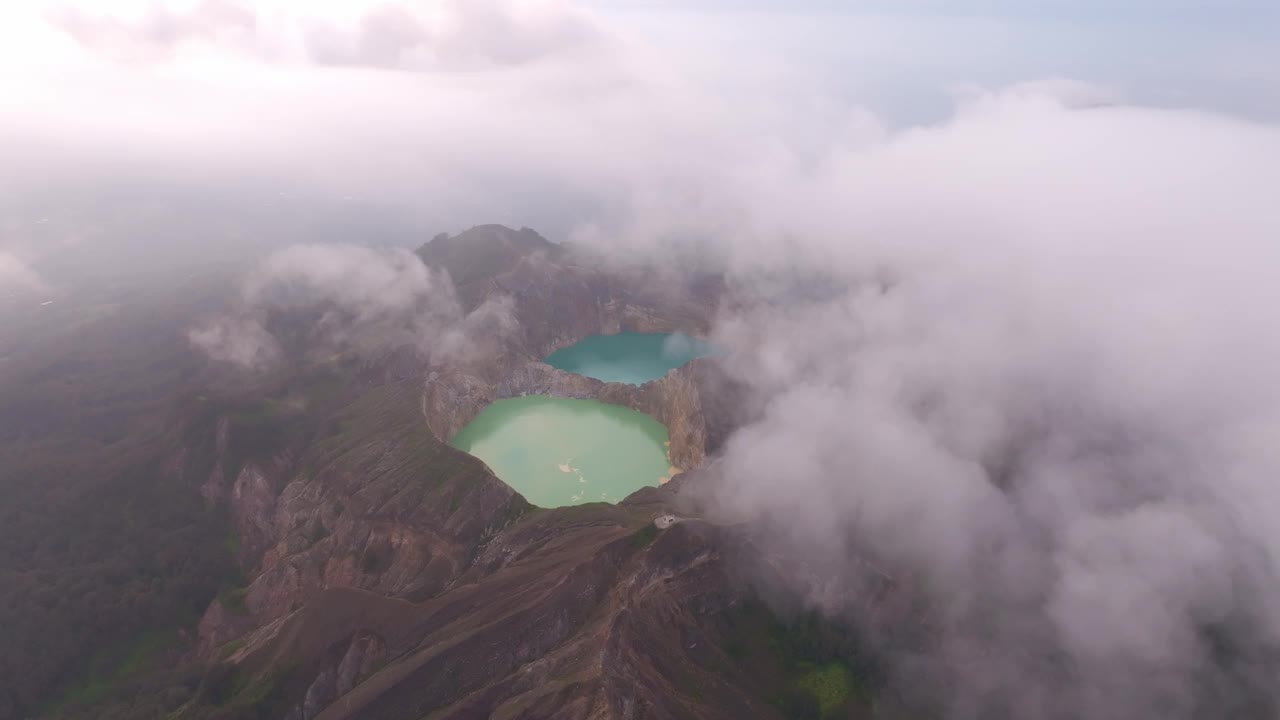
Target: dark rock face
x,y
364,654
591,614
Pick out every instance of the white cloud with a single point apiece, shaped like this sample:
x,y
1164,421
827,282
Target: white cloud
x,y
317,300
17,276
238,339
1040,398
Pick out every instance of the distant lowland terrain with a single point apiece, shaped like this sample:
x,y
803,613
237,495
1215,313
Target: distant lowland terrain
x,y
295,535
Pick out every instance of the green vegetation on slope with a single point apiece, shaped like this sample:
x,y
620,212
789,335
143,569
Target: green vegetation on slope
x,y
110,667
233,599
809,668
100,542
645,535
227,692
828,685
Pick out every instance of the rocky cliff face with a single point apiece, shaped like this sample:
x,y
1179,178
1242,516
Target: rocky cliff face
x,y
587,612
373,502
451,399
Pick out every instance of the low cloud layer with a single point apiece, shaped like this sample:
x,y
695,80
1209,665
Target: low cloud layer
x,y
317,301
17,277
1040,396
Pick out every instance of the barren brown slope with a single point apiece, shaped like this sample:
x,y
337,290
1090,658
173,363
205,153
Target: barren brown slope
x,y
587,612
371,500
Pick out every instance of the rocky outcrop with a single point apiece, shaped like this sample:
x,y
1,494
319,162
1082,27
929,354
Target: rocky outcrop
x,y
253,504
214,488
586,612
376,502
364,654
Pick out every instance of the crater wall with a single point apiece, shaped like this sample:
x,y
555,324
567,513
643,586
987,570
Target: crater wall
x,y
451,399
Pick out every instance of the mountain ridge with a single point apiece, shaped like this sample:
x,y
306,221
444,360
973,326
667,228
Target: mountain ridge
x,y
385,574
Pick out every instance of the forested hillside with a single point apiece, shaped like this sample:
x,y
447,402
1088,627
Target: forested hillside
x,y
106,553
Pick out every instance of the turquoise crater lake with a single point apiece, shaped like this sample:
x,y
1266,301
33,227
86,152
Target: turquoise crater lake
x,y
556,451
633,358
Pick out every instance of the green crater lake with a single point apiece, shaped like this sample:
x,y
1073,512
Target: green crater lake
x,y
633,358
556,451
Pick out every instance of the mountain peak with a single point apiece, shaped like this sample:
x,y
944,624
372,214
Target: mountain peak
x,y
483,251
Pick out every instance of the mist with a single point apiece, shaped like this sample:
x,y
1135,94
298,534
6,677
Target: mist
x,y
1040,393
349,299
1039,406
283,122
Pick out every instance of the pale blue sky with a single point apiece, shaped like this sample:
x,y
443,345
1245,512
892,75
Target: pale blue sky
x,y
1219,9
901,57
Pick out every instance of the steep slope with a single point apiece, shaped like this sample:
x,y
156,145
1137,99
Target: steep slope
x,y
385,574
584,612
372,501
104,555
